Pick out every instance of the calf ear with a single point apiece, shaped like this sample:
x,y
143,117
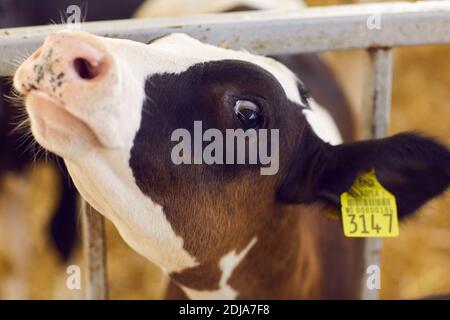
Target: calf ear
x,y
413,168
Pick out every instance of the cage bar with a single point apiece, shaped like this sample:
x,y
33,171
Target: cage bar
x,y
376,109
94,250
270,32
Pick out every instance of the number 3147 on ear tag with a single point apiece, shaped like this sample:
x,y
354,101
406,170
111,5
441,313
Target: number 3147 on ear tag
x,y
368,209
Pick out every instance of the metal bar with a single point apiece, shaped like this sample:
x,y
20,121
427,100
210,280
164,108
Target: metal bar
x,y
96,285
377,95
376,114
271,32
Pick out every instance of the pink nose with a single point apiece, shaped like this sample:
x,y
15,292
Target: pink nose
x,y
81,54
73,57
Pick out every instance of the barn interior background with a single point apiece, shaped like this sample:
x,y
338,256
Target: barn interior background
x,y
413,265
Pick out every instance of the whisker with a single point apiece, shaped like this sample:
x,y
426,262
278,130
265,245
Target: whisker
x,y
14,99
84,9
24,125
18,58
62,18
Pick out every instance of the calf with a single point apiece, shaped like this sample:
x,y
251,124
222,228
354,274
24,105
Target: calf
x,y
109,107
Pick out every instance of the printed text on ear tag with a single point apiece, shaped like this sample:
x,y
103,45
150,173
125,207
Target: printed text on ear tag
x,y
368,209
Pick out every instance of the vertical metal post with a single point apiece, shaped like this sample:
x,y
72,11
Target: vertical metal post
x,y
96,287
376,111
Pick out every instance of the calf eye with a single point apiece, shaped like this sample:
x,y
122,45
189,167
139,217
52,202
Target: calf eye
x,y
248,114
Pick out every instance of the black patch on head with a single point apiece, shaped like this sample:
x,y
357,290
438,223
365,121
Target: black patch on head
x,y
205,92
210,206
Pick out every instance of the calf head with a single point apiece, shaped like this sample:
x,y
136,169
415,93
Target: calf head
x,y
109,107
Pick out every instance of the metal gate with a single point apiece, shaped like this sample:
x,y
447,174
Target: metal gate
x,y
271,32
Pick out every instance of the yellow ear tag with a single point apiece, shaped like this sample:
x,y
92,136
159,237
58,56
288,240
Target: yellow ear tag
x,y
368,209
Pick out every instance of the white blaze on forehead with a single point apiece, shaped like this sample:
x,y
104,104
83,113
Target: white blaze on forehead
x,y
228,263
170,8
322,124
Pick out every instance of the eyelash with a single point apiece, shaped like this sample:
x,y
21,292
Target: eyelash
x,y
305,95
259,101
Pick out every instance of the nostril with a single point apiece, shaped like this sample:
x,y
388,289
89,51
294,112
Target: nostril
x,y
85,69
